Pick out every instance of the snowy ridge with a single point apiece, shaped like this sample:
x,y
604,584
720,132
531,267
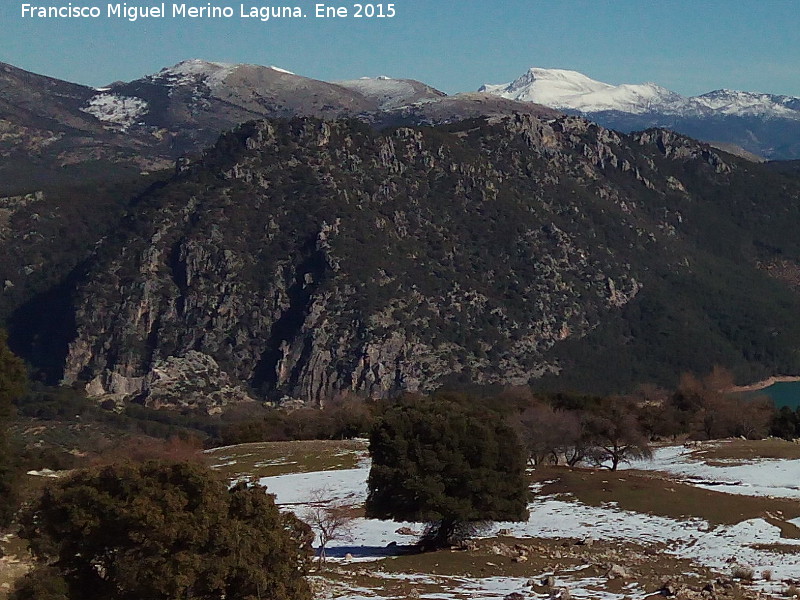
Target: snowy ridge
x,y
571,90
564,89
548,86
390,93
212,74
731,102
188,71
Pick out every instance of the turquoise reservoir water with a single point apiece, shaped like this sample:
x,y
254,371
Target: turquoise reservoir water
x,y
786,393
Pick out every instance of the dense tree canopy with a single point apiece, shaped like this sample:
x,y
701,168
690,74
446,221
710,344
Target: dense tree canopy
x,y
12,384
167,531
443,462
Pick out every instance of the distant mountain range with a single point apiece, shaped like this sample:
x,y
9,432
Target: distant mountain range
x,y
765,124
48,124
270,236
48,127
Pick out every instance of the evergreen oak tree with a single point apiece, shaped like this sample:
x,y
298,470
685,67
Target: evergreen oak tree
x,y
163,531
446,463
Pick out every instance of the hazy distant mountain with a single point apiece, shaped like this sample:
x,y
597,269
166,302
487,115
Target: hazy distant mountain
x,y
570,90
146,124
47,130
51,129
765,124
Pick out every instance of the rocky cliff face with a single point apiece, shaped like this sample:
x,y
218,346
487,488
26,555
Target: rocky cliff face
x,y
303,258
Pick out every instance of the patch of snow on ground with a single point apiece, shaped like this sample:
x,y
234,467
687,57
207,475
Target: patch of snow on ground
x,y
296,488
46,473
370,536
717,547
778,478
500,587
277,462
733,545
122,111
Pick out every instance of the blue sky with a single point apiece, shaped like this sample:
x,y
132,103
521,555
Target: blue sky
x,y
456,45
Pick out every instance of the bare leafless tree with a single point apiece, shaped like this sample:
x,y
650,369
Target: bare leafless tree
x,y
616,435
551,435
331,519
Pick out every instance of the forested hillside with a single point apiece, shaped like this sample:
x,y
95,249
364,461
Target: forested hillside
x,y
301,258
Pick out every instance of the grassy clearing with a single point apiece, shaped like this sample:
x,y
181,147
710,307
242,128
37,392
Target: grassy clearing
x,y
652,494
267,459
746,450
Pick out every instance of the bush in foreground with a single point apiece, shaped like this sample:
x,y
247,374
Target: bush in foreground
x,y
164,531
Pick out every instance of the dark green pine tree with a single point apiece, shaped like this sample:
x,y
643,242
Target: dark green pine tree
x,y
448,464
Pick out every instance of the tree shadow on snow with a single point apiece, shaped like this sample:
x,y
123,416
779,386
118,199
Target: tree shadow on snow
x,y
355,552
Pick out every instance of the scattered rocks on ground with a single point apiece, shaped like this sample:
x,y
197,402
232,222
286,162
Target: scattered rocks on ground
x,y
520,558
560,594
406,531
618,572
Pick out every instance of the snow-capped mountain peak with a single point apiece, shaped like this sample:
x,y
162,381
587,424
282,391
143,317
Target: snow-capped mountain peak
x,y
732,102
212,74
571,90
190,71
574,91
559,81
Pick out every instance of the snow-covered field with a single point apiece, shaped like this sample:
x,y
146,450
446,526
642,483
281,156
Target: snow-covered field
x,y
779,478
719,547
